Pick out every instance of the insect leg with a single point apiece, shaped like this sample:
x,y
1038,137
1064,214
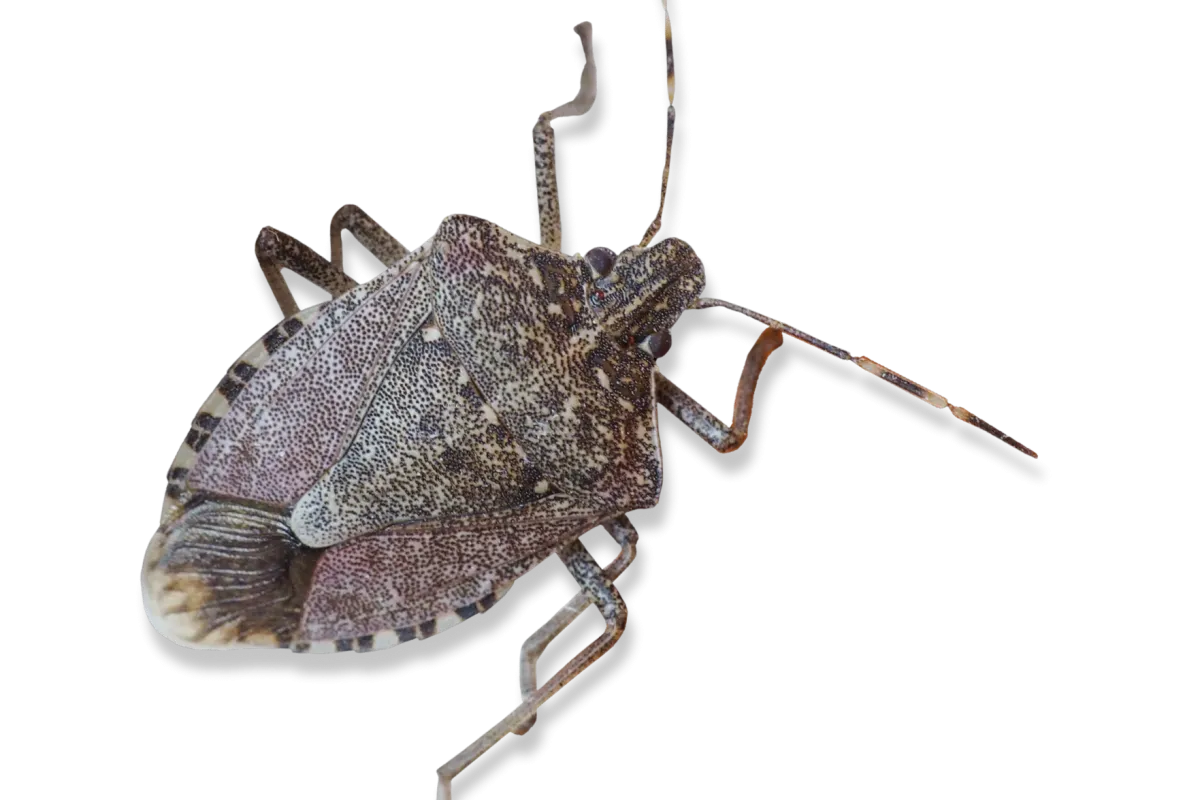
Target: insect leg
x,y
652,230
277,251
595,584
543,144
369,233
723,438
874,367
623,532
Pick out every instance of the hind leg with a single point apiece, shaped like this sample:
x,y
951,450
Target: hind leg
x,y
277,251
597,587
622,530
368,232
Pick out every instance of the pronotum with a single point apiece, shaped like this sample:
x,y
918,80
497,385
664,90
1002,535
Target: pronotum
x,y
875,415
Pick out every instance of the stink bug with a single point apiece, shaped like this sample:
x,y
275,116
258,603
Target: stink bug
x,y
433,337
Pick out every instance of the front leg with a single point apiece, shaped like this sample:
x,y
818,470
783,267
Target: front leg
x,y
543,144
723,438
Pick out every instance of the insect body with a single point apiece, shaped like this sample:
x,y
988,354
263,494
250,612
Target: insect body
x,y
382,466
499,398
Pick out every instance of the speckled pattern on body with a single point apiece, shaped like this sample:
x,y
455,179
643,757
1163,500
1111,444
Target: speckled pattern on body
x,y
399,455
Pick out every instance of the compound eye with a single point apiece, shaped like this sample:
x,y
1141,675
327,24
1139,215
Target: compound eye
x,y
601,261
656,344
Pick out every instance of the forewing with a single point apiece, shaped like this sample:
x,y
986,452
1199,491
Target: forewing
x,y
417,579
301,408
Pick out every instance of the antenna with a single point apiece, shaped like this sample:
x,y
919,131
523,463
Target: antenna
x,y
662,200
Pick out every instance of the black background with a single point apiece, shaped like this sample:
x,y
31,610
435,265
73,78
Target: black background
x,y
853,594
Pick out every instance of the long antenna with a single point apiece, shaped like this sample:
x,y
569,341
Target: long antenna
x,y
654,227
880,371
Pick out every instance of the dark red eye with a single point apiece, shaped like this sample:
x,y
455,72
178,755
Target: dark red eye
x,y
598,297
656,344
601,261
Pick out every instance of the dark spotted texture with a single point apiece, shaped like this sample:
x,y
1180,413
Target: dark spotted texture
x,y
419,572
547,183
205,423
277,251
648,290
304,405
576,397
396,459
232,386
592,580
702,421
428,446
368,232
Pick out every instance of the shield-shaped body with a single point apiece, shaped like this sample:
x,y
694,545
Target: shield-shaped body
x,y
383,465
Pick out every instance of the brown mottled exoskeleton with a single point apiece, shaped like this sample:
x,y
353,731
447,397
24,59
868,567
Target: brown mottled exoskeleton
x,y
382,466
